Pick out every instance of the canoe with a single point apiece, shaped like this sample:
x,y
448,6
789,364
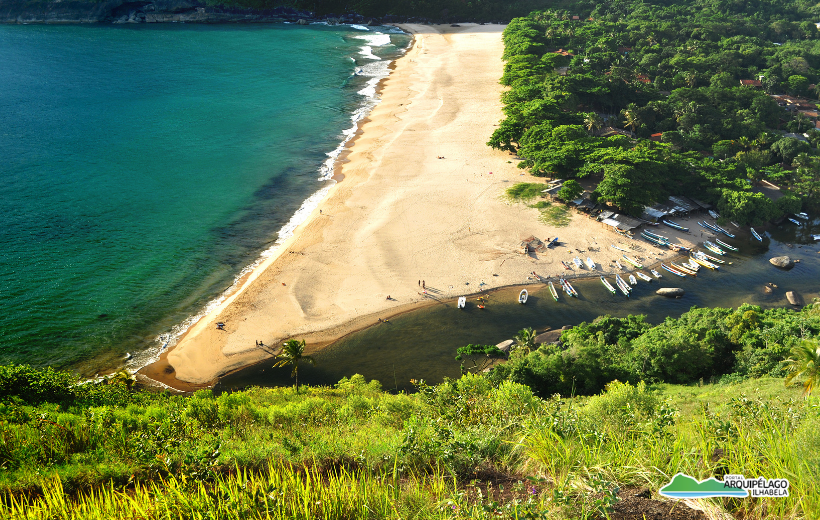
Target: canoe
x,y
622,285
713,214
626,234
607,285
644,277
681,269
654,240
570,289
565,265
793,221
724,244
633,262
674,225
618,248
577,262
816,237
673,271
724,231
689,264
713,248
619,264
754,234
711,258
734,224
704,263
656,236
655,273
522,296
553,292
706,225
590,263
633,280
462,302
804,216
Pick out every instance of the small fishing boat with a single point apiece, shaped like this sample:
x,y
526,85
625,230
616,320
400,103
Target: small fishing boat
x,y
793,221
552,242
633,262
713,214
682,269
656,236
607,285
626,234
724,231
644,277
701,254
713,248
655,273
569,288
565,265
622,285
590,263
674,225
462,302
816,237
553,292
619,264
522,296
804,216
754,234
653,240
704,263
613,246
633,280
732,222
679,248
673,271
706,225
724,244
578,262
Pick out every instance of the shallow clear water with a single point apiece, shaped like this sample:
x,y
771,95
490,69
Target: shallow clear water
x,y
422,344
144,167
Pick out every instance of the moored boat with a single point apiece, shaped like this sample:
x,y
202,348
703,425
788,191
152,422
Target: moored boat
x,y
714,248
804,216
618,264
565,265
711,258
613,246
578,262
655,273
724,244
522,296
673,271
569,288
793,221
682,269
622,285
653,240
754,234
656,236
607,285
462,302
590,263
734,224
633,262
643,277
633,280
713,214
706,225
553,292
816,237
674,225
704,263
724,231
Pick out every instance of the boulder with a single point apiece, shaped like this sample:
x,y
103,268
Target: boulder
x,y
504,346
783,262
302,21
767,289
670,291
795,298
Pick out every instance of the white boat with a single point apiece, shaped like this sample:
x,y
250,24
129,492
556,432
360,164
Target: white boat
x,y
732,222
590,263
644,277
633,280
613,246
754,234
569,288
713,214
793,221
578,262
724,244
607,285
691,265
804,216
553,292
522,296
633,262
816,237
714,248
462,302
619,264
624,288
655,273
701,254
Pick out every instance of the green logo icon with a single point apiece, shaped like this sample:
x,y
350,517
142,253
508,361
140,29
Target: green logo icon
x,y
684,486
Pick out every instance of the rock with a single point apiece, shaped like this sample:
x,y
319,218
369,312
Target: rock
x,y
670,291
504,346
783,262
302,21
767,290
795,298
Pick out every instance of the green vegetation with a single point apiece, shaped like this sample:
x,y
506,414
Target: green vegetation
x,y
467,448
292,353
557,216
701,345
586,94
523,191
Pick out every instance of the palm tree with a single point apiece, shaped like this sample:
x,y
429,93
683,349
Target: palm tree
x,y
593,121
631,118
691,78
744,142
525,339
292,354
805,362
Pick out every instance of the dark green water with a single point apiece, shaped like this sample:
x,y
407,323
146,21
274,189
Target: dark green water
x,y
422,344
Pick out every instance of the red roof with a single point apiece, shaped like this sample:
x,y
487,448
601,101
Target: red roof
x,y
562,52
624,49
750,83
576,17
643,78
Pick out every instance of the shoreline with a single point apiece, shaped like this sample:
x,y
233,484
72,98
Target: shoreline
x,y
401,213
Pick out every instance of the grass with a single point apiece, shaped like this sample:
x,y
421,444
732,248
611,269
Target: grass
x,y
353,451
523,191
558,216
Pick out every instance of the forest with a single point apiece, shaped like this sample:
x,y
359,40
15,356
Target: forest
x,y
648,99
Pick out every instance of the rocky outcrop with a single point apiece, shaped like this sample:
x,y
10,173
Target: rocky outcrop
x,y
783,262
672,292
795,298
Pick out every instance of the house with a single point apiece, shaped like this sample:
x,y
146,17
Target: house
x,y
656,137
643,78
624,49
562,52
754,83
576,17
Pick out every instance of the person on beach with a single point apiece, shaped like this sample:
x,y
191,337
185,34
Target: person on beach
x,y
423,286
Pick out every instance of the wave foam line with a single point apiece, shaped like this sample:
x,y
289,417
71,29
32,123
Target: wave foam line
x,y
376,71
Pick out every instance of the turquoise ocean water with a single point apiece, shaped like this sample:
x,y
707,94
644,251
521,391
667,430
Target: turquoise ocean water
x,y
143,168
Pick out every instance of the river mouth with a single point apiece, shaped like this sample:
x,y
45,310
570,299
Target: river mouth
x,y
422,344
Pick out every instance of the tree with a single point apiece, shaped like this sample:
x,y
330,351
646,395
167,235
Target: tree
x,y
485,354
788,148
805,362
798,85
291,354
592,121
525,339
631,117
571,190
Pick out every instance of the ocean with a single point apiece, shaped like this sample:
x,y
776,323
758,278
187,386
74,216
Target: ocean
x,y
145,168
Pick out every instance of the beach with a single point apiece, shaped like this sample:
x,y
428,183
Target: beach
x,y
418,216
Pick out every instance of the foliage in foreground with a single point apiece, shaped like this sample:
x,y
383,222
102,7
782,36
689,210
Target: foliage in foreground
x,y
353,451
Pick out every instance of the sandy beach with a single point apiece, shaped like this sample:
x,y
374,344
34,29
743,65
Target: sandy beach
x,y
420,200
